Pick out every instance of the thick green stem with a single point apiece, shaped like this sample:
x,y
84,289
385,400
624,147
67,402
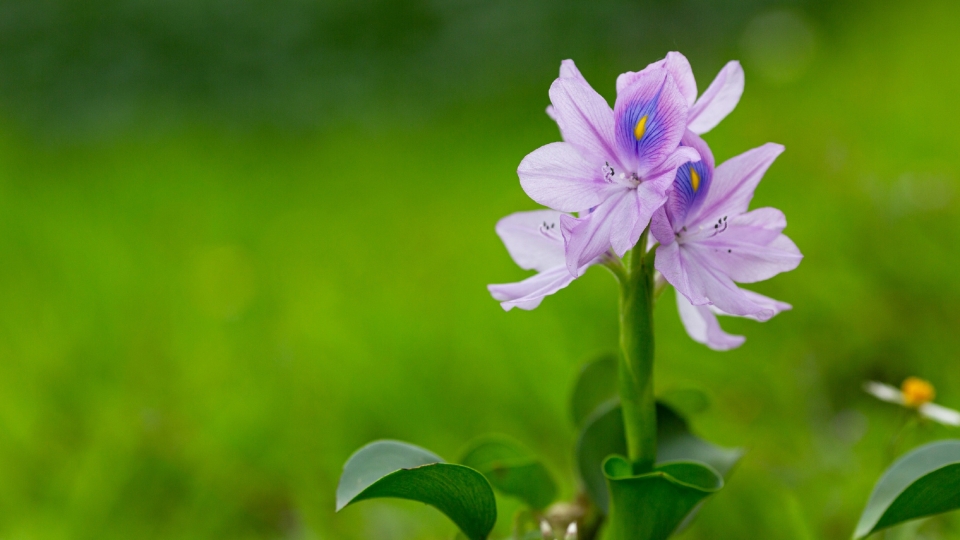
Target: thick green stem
x,y
636,359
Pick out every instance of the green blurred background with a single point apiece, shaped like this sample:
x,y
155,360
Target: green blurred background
x,y
239,239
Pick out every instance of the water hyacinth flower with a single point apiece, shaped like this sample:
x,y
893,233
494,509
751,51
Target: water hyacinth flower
x,y
614,166
716,102
709,242
916,394
534,242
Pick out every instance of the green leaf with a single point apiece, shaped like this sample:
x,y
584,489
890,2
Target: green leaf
x,y
512,469
400,470
596,384
922,483
675,442
688,401
651,506
603,436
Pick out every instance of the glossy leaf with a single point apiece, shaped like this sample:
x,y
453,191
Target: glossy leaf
x,y
651,506
399,470
596,384
512,469
922,483
603,436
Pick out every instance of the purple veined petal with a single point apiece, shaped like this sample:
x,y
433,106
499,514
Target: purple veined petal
x,y
761,227
651,195
652,243
647,199
533,239
650,121
674,159
767,303
551,113
884,392
734,182
569,70
555,175
768,219
940,414
584,117
588,238
674,265
719,99
749,254
702,326
679,68
661,228
627,217
528,293
721,291
691,181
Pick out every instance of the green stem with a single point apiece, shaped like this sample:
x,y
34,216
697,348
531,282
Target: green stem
x,y
636,359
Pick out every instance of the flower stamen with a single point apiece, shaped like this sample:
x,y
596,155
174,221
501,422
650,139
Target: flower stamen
x,y
917,392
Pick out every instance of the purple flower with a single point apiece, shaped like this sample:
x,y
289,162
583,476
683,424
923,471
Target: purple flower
x,y
709,241
616,165
533,240
719,99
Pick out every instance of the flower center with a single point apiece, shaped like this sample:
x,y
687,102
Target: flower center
x,y
917,392
628,180
702,232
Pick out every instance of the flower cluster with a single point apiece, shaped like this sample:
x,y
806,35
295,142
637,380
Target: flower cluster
x,y
642,166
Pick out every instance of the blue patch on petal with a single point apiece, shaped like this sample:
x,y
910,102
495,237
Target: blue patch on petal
x,y
690,189
641,118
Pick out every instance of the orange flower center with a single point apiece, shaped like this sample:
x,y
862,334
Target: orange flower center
x,y
917,392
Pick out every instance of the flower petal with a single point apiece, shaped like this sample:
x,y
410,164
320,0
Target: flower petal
x,y
650,121
940,414
533,239
661,228
691,182
719,99
584,117
702,326
651,197
589,237
707,279
673,263
734,182
751,250
630,214
884,392
528,293
765,302
555,175
679,68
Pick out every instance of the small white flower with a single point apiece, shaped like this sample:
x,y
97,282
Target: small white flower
x,y
916,394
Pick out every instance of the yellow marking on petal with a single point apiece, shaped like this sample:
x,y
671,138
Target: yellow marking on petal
x,y
641,128
917,392
694,179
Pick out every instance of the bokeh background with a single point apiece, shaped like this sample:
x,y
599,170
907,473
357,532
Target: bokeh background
x,y
239,239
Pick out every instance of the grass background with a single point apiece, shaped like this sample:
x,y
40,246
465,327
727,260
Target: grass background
x,y
239,240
